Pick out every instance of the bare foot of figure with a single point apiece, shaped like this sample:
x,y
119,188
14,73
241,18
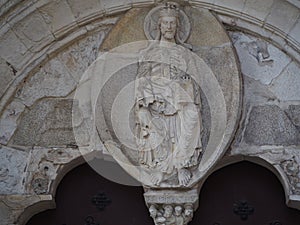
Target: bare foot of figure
x,y
156,178
184,177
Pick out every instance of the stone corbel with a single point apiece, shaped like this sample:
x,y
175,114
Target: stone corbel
x,y
171,207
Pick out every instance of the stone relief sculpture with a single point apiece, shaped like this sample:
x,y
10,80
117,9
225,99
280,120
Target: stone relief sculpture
x,y
259,50
167,215
175,109
292,168
167,111
168,120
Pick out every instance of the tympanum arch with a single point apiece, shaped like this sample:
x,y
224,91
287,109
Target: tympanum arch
x,y
234,18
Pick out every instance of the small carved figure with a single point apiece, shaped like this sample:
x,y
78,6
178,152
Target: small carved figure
x,y
188,213
169,215
153,211
259,50
291,168
178,215
157,215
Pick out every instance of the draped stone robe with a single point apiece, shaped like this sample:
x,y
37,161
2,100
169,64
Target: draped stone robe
x,y
167,109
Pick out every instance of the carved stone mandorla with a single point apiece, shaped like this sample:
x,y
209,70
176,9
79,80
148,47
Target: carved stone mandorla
x,y
175,109
181,103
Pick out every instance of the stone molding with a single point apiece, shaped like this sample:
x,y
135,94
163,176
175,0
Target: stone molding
x,y
77,27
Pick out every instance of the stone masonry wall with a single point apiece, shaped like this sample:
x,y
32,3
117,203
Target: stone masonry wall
x,y
45,46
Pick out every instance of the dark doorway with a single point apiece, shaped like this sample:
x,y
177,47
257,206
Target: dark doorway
x,y
244,194
86,198
240,189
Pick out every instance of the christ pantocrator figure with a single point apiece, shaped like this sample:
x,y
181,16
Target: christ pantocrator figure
x,y
168,120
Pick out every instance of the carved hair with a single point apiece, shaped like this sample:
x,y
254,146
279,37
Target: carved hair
x,y
170,9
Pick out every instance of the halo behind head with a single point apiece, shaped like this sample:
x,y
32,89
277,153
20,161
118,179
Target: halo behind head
x,y
153,18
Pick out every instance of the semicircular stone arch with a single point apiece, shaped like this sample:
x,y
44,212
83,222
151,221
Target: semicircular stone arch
x,y
84,195
60,40
264,162
238,193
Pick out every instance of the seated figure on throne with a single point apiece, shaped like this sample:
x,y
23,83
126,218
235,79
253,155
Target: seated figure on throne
x,y
168,119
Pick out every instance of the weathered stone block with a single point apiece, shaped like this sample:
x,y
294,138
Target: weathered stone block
x,y
52,80
4,214
7,74
293,52
12,49
294,114
212,58
48,123
259,60
283,15
34,32
269,125
295,31
237,5
251,27
86,8
58,15
287,85
256,92
9,119
202,34
257,8
12,166
80,55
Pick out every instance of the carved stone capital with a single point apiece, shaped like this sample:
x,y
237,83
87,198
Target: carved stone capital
x,y
171,207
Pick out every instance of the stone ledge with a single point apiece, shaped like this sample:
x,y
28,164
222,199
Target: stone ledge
x,y
294,201
170,197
